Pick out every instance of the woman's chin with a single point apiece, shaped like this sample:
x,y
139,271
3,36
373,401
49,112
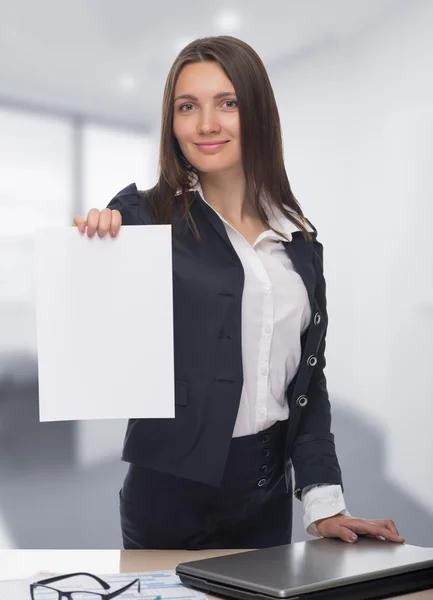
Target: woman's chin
x,y
215,166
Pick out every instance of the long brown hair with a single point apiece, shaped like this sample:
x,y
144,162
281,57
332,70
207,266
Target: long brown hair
x,y
261,140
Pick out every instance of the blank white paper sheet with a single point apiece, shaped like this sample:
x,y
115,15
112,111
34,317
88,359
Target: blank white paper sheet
x,y
104,310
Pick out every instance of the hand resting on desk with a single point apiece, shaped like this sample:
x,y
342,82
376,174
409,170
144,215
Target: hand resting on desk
x,y
347,528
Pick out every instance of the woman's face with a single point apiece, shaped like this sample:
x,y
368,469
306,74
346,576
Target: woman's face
x,y
206,118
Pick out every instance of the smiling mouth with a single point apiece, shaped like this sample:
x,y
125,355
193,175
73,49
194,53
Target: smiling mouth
x,y
211,143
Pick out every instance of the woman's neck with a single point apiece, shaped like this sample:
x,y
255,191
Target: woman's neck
x,y
227,195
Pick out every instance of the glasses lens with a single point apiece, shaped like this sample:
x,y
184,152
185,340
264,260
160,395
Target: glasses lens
x,y
45,593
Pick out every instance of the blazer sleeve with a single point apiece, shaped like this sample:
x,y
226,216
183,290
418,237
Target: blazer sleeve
x,y
314,455
127,202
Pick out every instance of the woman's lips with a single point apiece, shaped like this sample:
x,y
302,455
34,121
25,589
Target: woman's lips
x,y
211,147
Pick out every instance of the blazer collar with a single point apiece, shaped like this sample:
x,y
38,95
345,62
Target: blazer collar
x,y
300,252
277,220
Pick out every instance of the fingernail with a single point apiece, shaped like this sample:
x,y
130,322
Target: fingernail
x,y
353,537
113,234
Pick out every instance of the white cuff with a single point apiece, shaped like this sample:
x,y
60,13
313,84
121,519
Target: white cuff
x,y
320,502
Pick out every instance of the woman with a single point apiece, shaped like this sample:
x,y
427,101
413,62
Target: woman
x,y
249,326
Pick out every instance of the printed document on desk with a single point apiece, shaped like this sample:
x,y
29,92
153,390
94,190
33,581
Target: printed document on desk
x,y
104,311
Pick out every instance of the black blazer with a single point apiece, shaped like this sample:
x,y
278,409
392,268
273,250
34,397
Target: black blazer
x,y
208,281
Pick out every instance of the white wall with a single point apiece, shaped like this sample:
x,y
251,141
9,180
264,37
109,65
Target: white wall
x,y
358,137
358,125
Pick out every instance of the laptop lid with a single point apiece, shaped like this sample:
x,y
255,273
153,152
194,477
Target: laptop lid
x,y
323,568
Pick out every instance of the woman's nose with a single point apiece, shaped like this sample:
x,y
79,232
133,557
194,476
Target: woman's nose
x,y
208,123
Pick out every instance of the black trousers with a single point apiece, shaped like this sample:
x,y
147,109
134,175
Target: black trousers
x,y
251,509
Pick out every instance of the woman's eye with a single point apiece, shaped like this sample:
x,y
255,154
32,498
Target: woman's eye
x,y
188,107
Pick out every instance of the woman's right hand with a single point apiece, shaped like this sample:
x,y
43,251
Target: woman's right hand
x,y
100,222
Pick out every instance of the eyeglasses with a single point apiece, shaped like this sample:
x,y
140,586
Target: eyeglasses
x,y
41,591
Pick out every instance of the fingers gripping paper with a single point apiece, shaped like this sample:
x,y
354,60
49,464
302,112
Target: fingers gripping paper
x,y
104,312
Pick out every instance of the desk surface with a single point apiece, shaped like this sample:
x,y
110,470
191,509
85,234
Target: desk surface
x,y
25,563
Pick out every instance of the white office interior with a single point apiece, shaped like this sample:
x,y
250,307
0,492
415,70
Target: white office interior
x,y
80,97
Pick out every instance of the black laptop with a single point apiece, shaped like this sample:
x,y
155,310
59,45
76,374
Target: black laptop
x,y
323,569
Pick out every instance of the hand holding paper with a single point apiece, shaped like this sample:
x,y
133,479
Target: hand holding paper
x,y
101,222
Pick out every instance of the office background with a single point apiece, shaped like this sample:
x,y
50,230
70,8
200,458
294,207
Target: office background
x,y
80,91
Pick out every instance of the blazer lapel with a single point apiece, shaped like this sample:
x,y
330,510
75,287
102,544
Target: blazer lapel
x,y
219,227
300,252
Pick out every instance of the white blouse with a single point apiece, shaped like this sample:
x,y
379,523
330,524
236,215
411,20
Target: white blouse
x,y
275,313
